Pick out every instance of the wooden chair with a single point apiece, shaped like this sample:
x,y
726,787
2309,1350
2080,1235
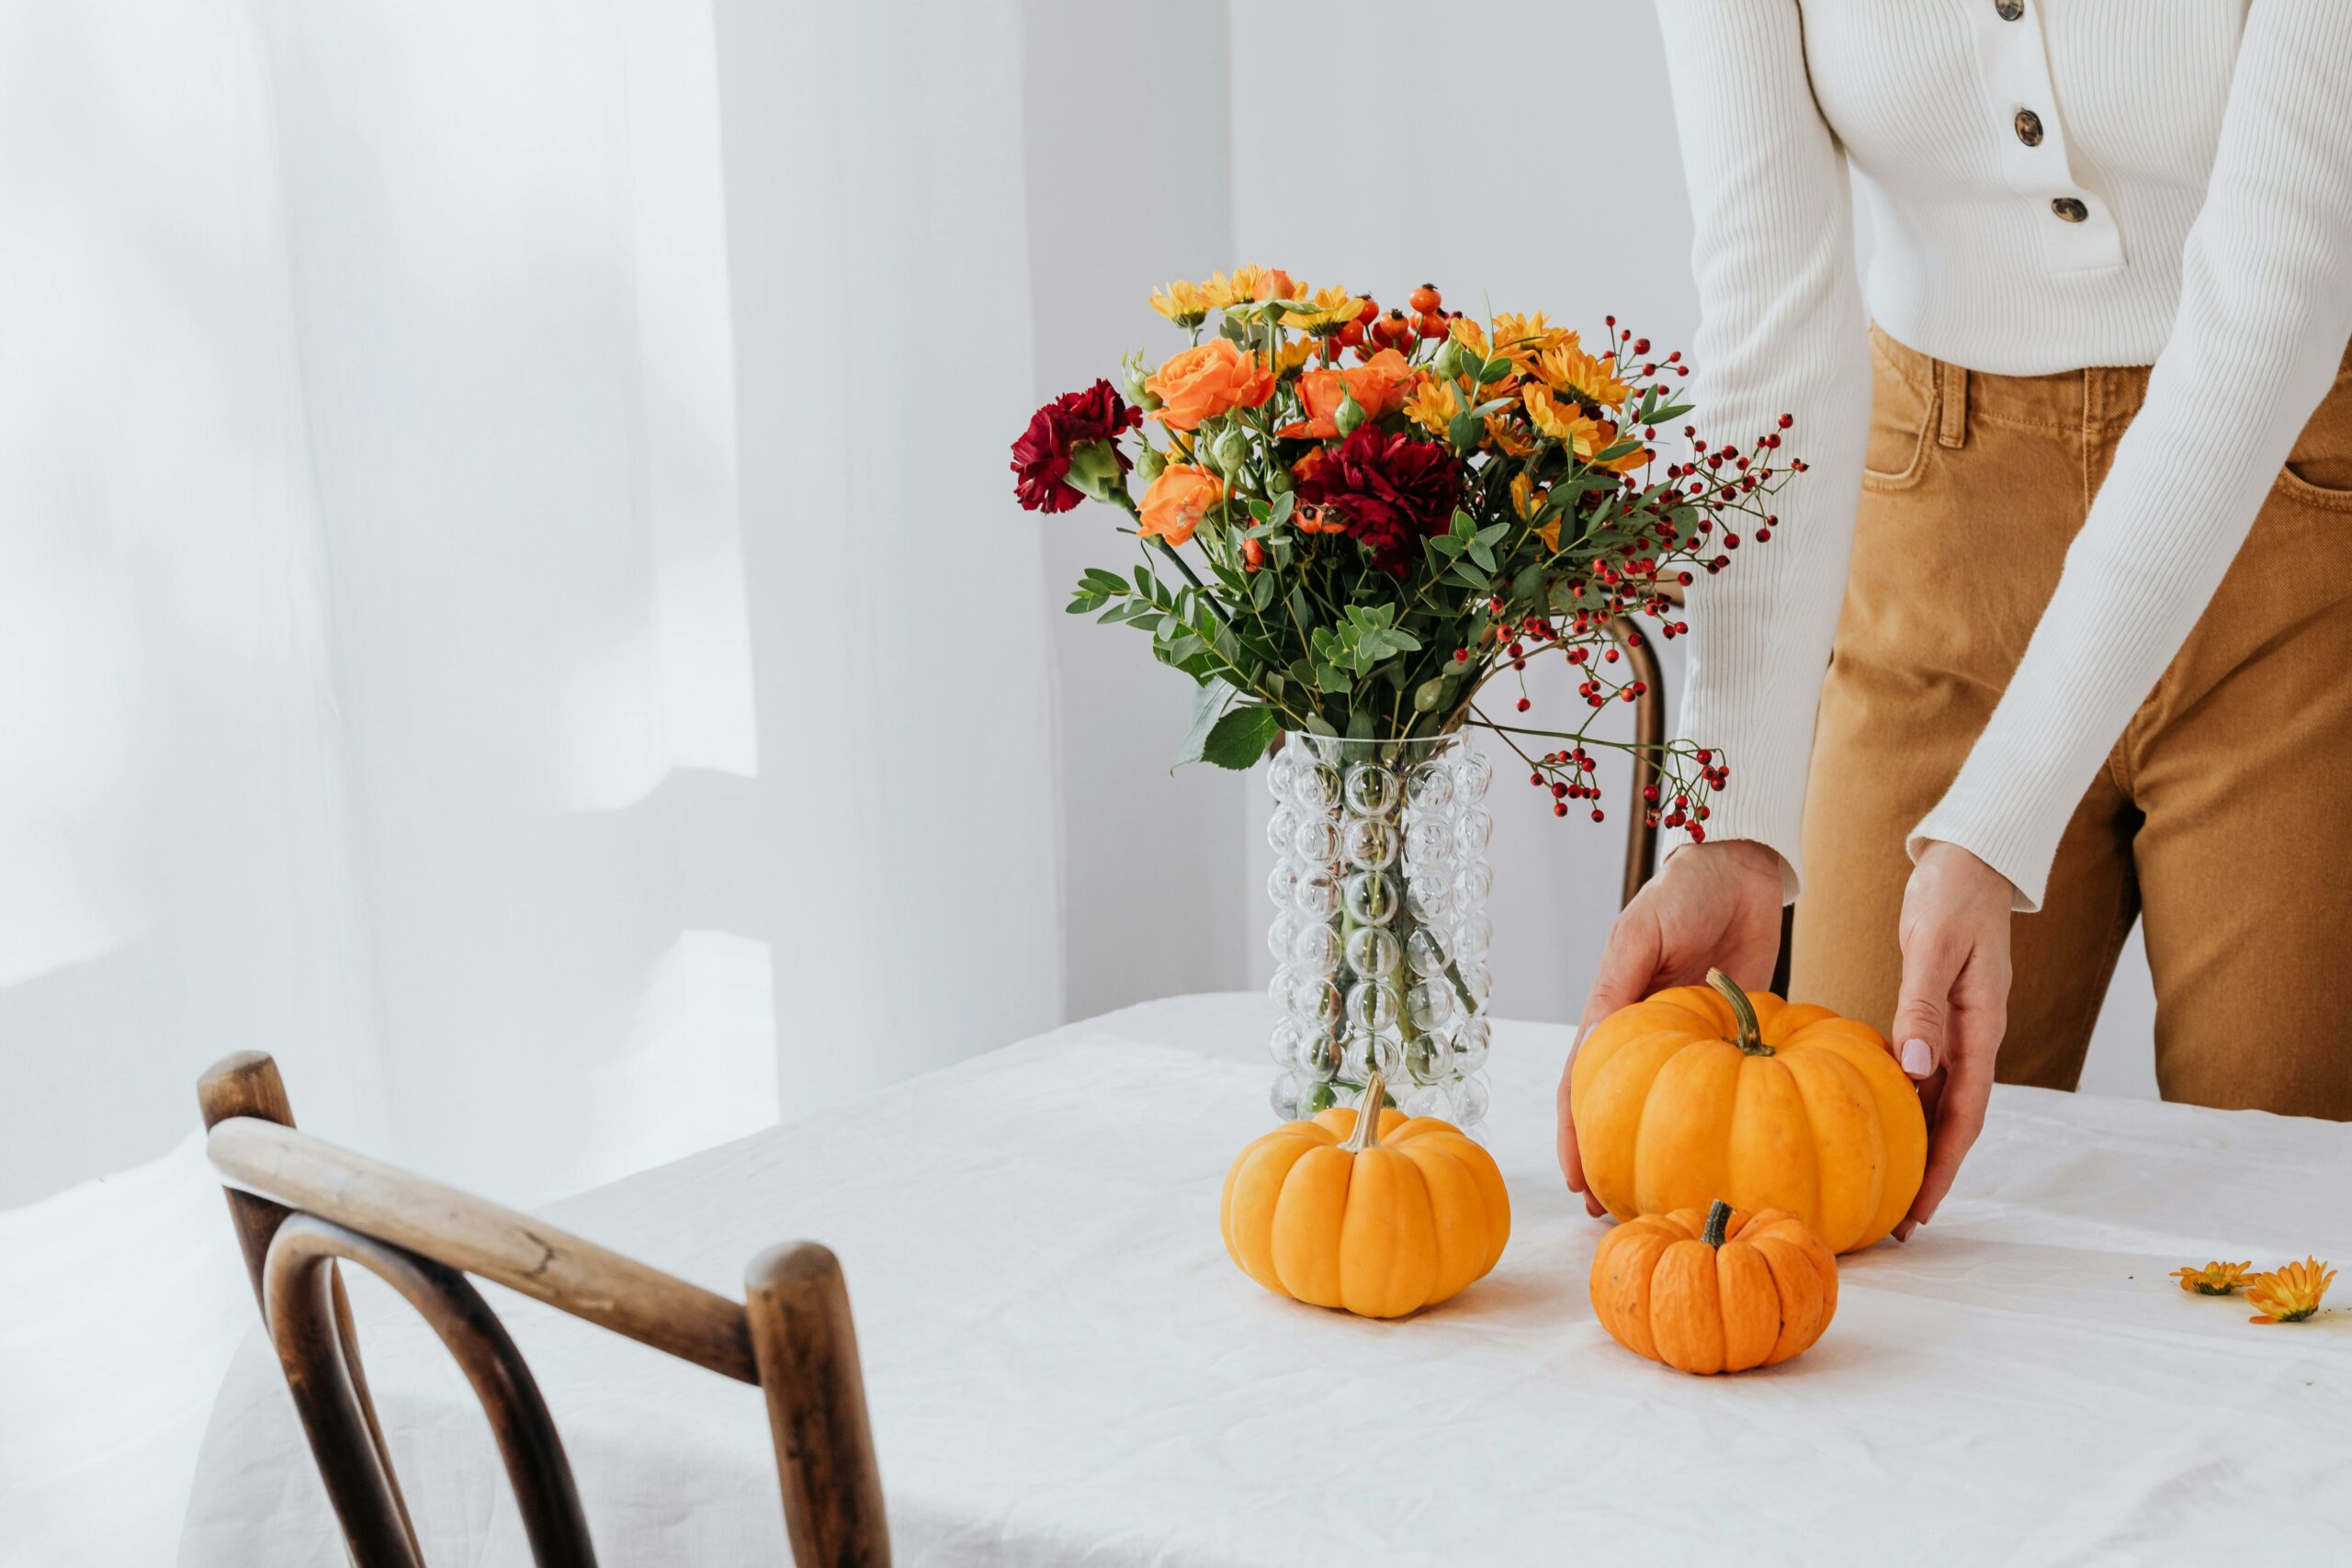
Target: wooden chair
x,y
1649,728
300,1206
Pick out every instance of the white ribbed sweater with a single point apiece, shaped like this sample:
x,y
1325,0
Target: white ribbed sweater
x,y
2211,146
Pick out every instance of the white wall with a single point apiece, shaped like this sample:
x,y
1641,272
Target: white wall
x,y
1150,858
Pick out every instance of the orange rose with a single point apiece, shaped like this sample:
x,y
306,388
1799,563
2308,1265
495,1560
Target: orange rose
x,y
1207,380
1380,386
1177,501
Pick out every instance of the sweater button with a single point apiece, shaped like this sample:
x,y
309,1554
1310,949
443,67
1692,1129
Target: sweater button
x,y
2010,9
2072,210
2028,128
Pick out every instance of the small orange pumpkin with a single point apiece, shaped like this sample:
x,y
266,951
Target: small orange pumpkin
x,y
1715,1290
1377,1214
1706,1092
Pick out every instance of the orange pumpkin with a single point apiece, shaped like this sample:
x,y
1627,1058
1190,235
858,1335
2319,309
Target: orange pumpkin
x,y
1702,1091
1377,1214
1715,1291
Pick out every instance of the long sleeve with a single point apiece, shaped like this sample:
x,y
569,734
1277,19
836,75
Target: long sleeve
x,y
2266,308
1780,332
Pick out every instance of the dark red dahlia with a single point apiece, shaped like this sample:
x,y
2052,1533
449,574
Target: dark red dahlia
x,y
1390,491
1041,457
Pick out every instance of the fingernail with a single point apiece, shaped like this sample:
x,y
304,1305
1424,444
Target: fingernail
x,y
1917,1060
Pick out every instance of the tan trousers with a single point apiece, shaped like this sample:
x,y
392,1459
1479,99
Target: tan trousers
x,y
2224,817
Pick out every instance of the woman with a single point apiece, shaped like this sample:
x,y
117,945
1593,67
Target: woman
x,y
2095,655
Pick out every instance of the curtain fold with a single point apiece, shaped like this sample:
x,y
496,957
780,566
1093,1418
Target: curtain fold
x,y
508,600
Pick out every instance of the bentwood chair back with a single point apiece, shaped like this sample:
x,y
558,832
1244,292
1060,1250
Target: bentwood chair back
x,y
300,1206
1649,732
1649,729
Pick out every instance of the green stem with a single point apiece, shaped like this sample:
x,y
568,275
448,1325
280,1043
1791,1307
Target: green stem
x,y
1743,1013
1717,1218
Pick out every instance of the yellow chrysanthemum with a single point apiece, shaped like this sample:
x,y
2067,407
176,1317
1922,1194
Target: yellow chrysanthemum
x,y
1566,424
1182,303
2214,1278
1329,311
1581,433
1525,498
1292,355
1470,335
1523,338
1239,289
1568,368
1432,406
1509,438
2288,1294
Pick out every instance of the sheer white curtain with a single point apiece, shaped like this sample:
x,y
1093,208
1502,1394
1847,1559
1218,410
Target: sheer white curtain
x,y
508,600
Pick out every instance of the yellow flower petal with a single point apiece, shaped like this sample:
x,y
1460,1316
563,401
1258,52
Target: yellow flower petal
x,y
2289,1294
1182,303
1432,406
2213,1279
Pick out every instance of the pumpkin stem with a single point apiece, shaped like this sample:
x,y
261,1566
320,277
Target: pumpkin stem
x,y
1717,1218
1367,1132
1743,1013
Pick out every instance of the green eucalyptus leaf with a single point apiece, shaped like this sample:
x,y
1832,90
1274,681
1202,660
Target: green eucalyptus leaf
x,y
1240,736
1210,701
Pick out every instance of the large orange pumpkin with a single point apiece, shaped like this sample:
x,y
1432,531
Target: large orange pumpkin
x,y
1714,1290
1706,1092
1377,1214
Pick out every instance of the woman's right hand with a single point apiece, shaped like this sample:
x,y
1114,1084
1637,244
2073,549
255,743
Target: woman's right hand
x,y
1714,905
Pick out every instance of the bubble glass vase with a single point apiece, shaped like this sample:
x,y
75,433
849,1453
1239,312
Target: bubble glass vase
x,y
1379,933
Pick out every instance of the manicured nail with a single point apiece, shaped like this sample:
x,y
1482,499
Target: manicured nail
x,y
1917,1060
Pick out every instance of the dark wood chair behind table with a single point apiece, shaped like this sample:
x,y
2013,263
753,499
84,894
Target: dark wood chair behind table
x,y
1649,729
301,1207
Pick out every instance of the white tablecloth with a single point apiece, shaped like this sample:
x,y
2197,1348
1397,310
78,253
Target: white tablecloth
x,y
1065,1368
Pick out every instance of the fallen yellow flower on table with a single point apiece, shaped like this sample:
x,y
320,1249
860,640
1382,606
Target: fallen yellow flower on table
x,y
2214,1278
2288,1294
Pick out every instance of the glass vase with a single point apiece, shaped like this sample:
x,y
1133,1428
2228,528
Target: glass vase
x,y
1379,933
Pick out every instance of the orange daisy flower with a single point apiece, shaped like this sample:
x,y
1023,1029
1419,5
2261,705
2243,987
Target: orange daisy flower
x,y
2288,1294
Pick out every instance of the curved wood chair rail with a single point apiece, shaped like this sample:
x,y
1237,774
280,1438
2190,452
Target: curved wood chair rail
x,y
299,1204
467,1232
1649,731
358,1481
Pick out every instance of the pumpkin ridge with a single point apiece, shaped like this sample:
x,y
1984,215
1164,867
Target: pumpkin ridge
x,y
1681,1145
1309,1251
1903,1127
1620,1093
1457,1215
1765,1162
1387,1224
1258,1194
1842,1116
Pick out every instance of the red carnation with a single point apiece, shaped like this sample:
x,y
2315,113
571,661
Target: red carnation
x,y
1041,457
1389,491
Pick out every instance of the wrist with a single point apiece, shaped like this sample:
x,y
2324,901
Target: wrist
x,y
1744,858
1959,876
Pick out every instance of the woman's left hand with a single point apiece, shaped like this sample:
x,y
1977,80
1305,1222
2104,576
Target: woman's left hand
x,y
1955,934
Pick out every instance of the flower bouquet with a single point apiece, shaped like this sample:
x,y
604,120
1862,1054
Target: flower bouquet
x,y
1354,527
